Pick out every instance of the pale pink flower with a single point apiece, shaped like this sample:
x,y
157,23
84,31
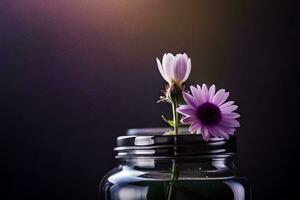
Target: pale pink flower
x,y
175,69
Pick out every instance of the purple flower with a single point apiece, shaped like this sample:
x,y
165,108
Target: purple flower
x,y
174,69
208,114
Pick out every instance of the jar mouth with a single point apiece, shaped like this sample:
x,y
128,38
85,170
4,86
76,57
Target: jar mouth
x,y
155,131
152,143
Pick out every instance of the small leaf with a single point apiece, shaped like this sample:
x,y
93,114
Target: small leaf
x,y
169,133
170,122
161,100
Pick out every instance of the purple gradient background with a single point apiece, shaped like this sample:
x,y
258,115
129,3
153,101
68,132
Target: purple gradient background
x,y
76,74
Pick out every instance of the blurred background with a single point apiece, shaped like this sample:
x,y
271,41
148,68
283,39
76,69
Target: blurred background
x,y
76,74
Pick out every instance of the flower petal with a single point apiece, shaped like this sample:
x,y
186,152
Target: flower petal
x,y
200,94
204,93
179,68
188,70
229,109
189,120
194,127
229,122
231,115
189,99
229,103
161,70
167,66
223,99
212,131
205,134
219,132
220,97
230,131
197,94
186,110
185,56
211,92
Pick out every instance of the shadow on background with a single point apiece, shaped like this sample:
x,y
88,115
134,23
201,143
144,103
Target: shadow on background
x,y
76,74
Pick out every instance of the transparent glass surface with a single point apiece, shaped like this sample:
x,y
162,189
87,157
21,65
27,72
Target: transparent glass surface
x,y
154,166
196,181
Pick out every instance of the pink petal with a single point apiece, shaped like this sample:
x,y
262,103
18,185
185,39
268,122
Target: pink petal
x,y
188,70
185,56
160,68
179,68
167,65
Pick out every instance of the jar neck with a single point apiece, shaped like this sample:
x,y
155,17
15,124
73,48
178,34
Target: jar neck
x,y
197,167
188,154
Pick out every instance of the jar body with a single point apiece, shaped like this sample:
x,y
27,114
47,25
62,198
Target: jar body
x,y
178,167
128,182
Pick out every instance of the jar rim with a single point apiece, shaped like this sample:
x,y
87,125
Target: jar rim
x,y
152,143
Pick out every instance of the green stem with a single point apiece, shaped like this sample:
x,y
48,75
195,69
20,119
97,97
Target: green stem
x,y
173,178
175,171
175,117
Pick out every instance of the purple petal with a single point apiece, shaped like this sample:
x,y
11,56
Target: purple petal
x,y
194,127
212,131
225,96
200,94
220,132
229,122
189,99
229,109
229,103
231,115
188,120
186,110
211,92
220,97
230,131
205,95
205,134
197,95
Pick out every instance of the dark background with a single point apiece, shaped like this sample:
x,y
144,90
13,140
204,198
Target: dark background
x,y
76,74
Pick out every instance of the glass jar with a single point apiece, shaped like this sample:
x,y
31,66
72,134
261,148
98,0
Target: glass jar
x,y
154,166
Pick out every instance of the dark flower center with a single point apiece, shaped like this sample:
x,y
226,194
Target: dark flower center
x,y
209,114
